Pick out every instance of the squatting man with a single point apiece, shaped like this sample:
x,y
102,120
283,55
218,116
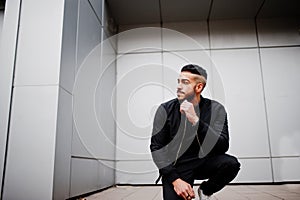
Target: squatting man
x,y
189,140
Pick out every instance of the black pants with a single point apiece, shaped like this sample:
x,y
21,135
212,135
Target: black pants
x,y
219,170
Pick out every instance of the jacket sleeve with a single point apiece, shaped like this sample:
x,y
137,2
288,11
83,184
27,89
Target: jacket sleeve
x,y
159,145
216,139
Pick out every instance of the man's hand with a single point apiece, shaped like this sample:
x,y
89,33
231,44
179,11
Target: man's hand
x,y
188,109
183,189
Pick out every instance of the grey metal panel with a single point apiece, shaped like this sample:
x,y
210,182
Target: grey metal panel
x,y
97,6
31,147
105,101
140,38
39,43
68,55
136,172
145,11
106,173
7,56
89,31
178,10
234,33
135,11
62,165
94,129
78,146
245,63
136,98
278,31
286,169
282,65
280,8
233,9
185,36
84,176
89,37
254,170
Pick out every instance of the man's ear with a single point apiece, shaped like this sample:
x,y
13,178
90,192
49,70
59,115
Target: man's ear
x,y
199,87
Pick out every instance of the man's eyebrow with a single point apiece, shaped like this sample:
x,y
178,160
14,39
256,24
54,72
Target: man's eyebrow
x,y
185,79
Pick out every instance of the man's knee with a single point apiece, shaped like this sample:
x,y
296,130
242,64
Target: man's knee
x,y
232,164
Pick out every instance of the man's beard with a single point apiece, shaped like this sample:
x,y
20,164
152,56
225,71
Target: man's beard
x,y
190,97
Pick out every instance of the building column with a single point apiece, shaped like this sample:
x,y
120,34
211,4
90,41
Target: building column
x,y
32,125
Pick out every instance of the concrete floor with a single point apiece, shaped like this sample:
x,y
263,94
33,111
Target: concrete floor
x,y
231,192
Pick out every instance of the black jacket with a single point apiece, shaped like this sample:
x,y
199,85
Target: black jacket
x,y
175,140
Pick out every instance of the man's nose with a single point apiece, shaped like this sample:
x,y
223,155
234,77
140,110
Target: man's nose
x,y
179,86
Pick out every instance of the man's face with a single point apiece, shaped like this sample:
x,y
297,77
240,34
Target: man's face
x,y
186,86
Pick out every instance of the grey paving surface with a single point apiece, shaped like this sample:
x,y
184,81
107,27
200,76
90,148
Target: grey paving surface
x,y
231,192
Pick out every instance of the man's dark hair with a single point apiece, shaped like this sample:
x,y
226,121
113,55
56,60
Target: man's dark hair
x,y
195,69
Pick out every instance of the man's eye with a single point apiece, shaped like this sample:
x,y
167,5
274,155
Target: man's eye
x,y
185,82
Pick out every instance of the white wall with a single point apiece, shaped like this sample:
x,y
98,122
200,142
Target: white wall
x,y
63,139
7,57
147,68
48,157
91,85
280,61
244,73
33,120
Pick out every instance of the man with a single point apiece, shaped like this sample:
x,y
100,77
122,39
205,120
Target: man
x,y
189,140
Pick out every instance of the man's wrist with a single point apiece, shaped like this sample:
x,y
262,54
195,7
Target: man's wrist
x,y
195,121
174,182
